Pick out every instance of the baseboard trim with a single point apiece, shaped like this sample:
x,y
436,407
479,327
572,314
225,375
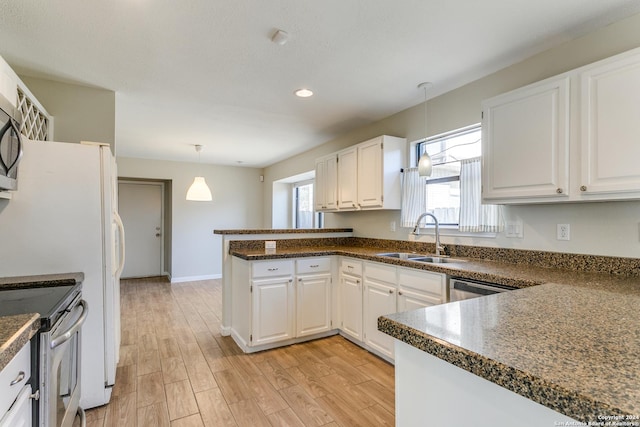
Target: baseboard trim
x,y
195,278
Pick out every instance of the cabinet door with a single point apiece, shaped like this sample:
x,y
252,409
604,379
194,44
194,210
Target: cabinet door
x,y
313,304
379,300
331,183
411,300
525,143
348,179
273,305
20,413
320,201
610,119
370,170
351,305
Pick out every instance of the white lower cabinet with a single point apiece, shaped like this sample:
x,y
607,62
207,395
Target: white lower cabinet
x,y
272,306
15,390
380,298
279,301
351,298
313,296
390,289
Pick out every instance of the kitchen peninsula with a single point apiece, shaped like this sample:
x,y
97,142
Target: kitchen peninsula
x,y
566,342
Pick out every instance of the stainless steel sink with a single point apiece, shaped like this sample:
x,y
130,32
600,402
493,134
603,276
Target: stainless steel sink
x,y
410,256
437,260
402,255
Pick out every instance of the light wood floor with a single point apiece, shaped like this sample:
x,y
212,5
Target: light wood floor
x,y
177,370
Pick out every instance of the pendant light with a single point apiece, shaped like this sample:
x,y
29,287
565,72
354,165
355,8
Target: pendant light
x,y
199,191
425,165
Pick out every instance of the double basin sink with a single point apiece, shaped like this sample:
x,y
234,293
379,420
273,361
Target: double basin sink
x,y
410,256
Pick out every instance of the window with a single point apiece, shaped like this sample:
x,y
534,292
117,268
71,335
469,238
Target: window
x,y
443,186
304,214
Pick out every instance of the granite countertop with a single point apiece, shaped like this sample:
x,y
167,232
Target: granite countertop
x,y
17,330
568,339
572,347
516,275
284,231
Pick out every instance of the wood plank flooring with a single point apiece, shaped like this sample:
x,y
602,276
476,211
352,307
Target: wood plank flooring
x,y
177,370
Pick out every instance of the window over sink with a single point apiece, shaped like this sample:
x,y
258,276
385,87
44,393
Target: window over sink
x,y
443,186
453,191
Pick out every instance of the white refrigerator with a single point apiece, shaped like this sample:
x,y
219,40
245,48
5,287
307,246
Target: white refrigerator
x,y
63,218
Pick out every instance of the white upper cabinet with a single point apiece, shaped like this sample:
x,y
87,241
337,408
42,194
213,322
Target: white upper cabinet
x,y
364,176
348,179
526,142
610,110
379,163
572,137
326,192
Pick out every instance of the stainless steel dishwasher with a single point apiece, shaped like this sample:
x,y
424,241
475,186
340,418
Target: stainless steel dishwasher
x,y
461,289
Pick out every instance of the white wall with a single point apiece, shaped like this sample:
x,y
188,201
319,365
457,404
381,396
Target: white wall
x,y
237,203
596,228
80,113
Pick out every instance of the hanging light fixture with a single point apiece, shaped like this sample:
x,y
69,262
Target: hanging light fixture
x,y
199,191
425,165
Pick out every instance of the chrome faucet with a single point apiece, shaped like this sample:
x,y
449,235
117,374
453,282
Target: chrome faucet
x,y
416,230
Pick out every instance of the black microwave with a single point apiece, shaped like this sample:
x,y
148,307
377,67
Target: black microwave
x,y
10,145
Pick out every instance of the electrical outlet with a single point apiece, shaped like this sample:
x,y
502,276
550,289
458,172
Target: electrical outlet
x,y
513,229
392,226
563,232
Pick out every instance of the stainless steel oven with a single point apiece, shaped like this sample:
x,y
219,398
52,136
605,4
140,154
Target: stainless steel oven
x,y
60,367
55,349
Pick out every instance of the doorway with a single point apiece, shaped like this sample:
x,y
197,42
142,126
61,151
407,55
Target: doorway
x,y
140,204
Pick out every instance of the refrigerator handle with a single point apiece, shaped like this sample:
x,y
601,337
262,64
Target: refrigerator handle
x,y
118,220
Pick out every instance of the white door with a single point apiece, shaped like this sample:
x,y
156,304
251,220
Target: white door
x,y
140,207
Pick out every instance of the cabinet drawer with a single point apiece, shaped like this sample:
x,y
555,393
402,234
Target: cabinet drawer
x,y
421,280
18,367
272,268
351,266
381,272
313,265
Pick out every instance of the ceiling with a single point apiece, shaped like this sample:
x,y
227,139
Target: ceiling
x,y
206,72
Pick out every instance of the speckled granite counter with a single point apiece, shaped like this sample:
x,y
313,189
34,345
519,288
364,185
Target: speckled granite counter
x,y
571,347
16,330
506,273
40,281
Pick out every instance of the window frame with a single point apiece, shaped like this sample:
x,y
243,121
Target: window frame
x,y
318,217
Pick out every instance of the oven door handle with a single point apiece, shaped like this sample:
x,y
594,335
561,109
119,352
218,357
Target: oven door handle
x,y
65,336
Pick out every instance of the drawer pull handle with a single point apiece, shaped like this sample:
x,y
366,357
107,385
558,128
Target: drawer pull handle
x,y
314,266
18,379
272,269
350,267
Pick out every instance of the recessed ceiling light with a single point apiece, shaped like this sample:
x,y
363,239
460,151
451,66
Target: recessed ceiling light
x,y
303,93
